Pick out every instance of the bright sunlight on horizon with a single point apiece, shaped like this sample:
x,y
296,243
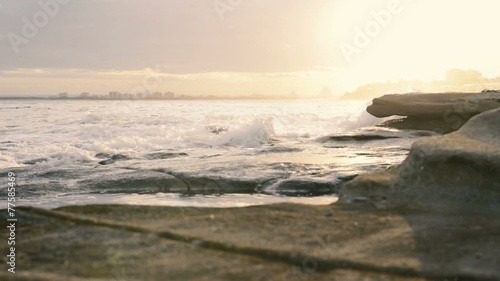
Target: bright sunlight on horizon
x,y
240,48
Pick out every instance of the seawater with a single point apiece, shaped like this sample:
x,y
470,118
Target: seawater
x,y
200,153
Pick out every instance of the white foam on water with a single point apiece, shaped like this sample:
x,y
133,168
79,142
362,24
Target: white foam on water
x,y
56,155
8,162
255,141
91,118
356,121
73,132
259,132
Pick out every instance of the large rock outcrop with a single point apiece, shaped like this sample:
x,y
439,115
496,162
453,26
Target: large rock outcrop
x,y
459,169
434,105
438,112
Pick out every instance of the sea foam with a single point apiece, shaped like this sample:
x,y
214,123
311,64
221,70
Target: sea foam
x,y
259,132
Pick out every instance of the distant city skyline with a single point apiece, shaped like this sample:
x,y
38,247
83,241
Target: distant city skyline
x,y
117,95
456,80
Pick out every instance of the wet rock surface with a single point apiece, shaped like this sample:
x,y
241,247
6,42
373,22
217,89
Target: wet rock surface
x,y
346,241
443,113
433,105
461,167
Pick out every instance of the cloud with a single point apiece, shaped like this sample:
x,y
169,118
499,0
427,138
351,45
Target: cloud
x,y
187,35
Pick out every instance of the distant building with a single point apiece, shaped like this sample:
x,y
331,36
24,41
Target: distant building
x,y
63,95
114,95
157,95
85,95
169,95
127,96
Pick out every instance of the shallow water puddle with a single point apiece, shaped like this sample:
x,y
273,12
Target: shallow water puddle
x,y
175,200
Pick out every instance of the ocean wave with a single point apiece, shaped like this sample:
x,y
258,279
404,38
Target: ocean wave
x,y
8,162
91,118
56,155
216,148
356,121
259,132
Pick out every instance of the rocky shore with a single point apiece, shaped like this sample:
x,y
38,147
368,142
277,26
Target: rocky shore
x,y
434,217
444,113
460,169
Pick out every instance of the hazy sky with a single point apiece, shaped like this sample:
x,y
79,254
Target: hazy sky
x,y
236,47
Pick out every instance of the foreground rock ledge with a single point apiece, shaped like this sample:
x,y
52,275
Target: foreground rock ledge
x,y
279,242
444,112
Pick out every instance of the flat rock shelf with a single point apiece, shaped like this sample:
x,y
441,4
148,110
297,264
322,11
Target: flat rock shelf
x,y
354,241
441,112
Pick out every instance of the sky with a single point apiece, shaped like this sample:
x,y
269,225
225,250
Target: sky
x,y
239,47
